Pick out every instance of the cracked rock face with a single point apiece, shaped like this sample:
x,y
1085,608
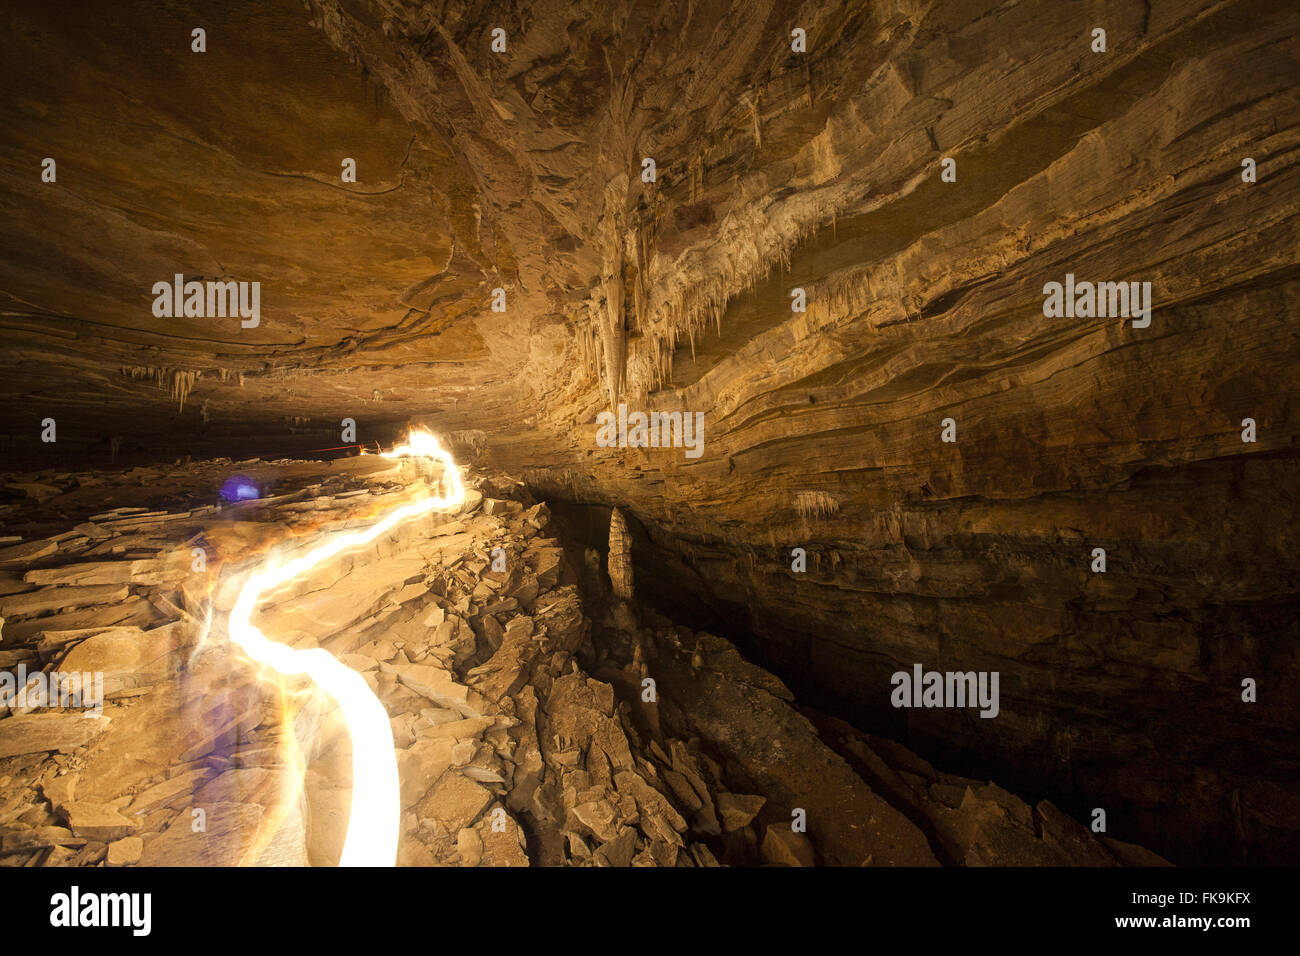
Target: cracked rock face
x,y
517,180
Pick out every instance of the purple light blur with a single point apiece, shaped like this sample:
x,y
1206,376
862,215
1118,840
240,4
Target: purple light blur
x,y
239,488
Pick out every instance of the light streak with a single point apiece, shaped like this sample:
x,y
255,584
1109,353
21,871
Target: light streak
x,y
373,825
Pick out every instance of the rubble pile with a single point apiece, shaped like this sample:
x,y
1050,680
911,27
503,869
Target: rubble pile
x,y
535,720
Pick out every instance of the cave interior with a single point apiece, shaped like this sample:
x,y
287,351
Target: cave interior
x,y
786,352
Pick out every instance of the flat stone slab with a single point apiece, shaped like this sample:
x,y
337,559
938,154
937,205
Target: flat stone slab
x,y
36,733
56,598
98,822
230,830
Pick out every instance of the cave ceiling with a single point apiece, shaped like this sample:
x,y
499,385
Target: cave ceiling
x,y
522,171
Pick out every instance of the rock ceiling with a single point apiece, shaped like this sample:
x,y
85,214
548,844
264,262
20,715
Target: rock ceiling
x,y
522,171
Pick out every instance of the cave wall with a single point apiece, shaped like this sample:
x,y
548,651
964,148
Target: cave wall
x,y
1120,689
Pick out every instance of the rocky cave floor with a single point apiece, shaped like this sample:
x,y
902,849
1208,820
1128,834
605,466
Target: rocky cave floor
x,y
518,698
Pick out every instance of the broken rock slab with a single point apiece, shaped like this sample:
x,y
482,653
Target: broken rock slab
x,y
36,733
421,765
437,685
783,847
454,802
737,810
125,659
97,821
57,598
501,839
172,792
230,833
124,852
20,839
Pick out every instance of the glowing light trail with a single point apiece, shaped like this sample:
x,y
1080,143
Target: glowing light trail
x,y
376,795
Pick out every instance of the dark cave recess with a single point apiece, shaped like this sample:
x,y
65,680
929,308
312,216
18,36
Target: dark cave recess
x,y
1169,738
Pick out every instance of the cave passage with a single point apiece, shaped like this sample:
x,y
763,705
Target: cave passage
x,y
876,424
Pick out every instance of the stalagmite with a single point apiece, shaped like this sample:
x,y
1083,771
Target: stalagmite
x,y
620,556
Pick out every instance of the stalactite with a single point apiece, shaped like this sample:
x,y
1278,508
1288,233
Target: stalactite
x,y
178,383
643,242
816,504
612,333
681,310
